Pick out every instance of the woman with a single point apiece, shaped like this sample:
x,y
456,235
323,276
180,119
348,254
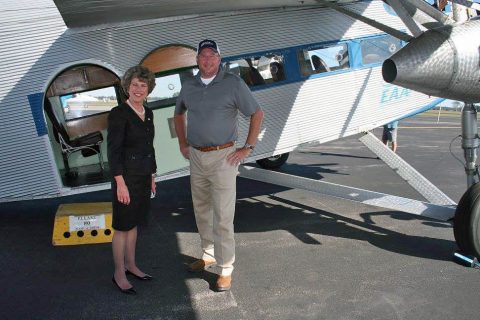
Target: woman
x,y
132,164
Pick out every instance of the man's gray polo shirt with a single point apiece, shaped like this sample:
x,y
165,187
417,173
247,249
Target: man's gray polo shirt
x,y
213,108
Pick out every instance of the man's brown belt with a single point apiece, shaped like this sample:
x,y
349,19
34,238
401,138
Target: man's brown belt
x,y
213,148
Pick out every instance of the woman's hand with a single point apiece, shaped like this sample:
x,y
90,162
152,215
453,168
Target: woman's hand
x,y
154,186
123,195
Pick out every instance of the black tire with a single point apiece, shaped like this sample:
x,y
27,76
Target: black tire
x,y
466,223
274,161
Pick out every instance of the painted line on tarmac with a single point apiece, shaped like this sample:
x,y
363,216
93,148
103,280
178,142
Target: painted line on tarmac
x,y
429,127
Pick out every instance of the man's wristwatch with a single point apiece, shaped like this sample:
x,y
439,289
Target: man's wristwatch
x,y
249,146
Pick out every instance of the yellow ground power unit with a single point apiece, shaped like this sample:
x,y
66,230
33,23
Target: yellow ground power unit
x,y
83,223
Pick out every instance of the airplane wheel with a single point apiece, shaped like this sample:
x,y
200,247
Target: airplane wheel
x,y
466,223
273,162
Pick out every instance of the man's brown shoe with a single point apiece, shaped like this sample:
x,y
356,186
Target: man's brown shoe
x,y
224,283
199,265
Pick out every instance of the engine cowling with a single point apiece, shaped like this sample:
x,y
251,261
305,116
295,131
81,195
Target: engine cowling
x,y
442,62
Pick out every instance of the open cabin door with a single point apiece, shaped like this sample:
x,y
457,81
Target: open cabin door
x,y
76,105
172,65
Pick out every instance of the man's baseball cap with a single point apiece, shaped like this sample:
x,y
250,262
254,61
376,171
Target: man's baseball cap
x,y
207,44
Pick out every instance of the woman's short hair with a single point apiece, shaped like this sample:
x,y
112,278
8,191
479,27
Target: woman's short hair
x,y
141,73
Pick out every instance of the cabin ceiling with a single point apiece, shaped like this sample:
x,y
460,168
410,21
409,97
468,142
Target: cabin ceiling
x,y
87,13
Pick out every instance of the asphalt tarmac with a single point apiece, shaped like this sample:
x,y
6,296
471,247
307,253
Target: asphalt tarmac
x,y
299,255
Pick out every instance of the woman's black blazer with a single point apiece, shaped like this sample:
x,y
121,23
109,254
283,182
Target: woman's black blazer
x,y
130,142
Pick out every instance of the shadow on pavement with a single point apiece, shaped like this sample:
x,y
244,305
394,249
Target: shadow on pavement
x,y
40,281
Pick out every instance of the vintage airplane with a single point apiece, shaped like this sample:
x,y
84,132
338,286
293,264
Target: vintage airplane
x,y
314,66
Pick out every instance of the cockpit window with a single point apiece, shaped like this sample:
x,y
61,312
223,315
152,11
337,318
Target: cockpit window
x,y
376,50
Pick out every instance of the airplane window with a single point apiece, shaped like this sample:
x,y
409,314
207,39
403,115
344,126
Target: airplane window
x,y
376,50
87,103
323,59
167,87
258,70
84,91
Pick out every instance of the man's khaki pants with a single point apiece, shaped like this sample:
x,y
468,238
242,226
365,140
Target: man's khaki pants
x,y
213,182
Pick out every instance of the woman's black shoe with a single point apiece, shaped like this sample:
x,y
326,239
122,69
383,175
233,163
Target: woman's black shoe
x,y
126,291
145,277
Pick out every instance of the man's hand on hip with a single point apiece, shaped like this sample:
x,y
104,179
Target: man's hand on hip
x,y
238,156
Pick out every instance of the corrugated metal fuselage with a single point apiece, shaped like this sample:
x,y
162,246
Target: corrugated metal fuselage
x,y
36,47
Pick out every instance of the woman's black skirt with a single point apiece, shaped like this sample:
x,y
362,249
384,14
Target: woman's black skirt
x,y
127,217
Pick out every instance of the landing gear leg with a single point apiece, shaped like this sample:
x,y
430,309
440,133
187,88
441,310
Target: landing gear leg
x,y
466,224
470,142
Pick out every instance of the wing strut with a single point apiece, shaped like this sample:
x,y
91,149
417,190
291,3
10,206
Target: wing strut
x,y
394,32
423,186
404,15
429,10
425,209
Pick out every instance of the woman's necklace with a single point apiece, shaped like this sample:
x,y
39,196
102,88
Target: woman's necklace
x,y
141,113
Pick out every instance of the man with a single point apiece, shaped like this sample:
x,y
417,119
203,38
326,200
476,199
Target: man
x,y
213,98
390,134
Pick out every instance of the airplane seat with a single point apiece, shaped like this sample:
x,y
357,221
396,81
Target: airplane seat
x,y
319,65
256,77
88,145
251,75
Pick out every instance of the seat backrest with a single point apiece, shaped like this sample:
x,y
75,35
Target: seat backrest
x,y
319,64
57,125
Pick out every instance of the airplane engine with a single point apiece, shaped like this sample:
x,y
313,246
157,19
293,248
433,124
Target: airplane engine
x,y
442,62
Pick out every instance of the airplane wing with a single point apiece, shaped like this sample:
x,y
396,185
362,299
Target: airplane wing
x,y
88,13
417,15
